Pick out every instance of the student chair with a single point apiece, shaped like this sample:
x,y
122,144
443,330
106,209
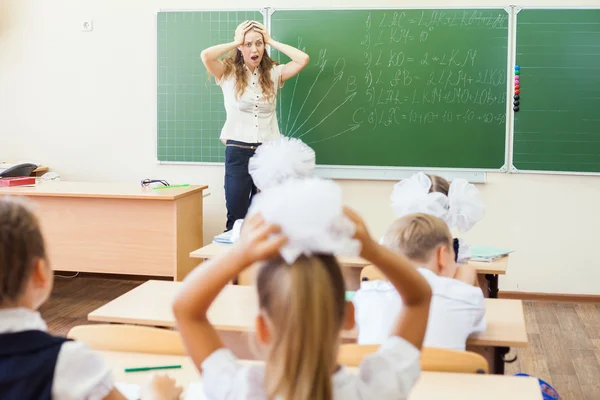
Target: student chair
x,y
130,338
432,359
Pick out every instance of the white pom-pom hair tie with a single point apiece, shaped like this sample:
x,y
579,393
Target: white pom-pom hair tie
x,y
278,160
310,213
462,208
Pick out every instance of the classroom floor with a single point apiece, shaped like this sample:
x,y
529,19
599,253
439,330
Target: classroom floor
x,y
564,337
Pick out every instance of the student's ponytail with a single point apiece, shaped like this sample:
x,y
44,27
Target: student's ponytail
x,y
304,304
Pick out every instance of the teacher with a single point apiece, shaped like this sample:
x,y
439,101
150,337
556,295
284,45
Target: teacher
x,y
250,80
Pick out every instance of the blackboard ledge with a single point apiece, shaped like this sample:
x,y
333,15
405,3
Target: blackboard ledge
x,y
368,173
395,173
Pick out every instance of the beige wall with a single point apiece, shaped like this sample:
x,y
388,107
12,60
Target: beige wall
x,y
84,104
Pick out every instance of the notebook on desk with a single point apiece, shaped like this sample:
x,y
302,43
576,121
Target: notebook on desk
x,y
17,181
131,391
487,253
223,238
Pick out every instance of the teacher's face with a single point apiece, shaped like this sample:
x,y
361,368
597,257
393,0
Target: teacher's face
x,y
253,48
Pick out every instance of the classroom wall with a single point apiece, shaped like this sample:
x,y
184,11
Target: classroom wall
x,y
84,104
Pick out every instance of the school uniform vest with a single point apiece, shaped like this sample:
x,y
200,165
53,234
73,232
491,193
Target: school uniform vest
x,y
27,362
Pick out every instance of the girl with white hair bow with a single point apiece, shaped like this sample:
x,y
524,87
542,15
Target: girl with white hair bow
x,y
458,204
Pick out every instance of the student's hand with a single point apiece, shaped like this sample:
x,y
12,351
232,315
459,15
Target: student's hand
x,y
241,30
260,28
368,245
160,387
259,240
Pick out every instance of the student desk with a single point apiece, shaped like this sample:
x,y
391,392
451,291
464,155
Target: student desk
x,y
491,270
119,228
431,385
236,307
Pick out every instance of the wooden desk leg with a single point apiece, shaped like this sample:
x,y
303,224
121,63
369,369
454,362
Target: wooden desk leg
x,y
492,285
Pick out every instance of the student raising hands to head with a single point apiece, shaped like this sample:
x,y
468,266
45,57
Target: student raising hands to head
x,y
35,365
294,229
457,308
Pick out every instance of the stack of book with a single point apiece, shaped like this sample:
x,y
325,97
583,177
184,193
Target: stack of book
x,y
17,181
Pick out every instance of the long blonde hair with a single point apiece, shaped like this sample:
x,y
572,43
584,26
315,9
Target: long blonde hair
x,y
234,64
304,304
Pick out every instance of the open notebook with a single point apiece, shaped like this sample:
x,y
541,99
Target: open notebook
x,y
486,253
132,391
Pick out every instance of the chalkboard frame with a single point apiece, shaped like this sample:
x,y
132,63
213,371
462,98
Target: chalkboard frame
x,y
475,175
512,168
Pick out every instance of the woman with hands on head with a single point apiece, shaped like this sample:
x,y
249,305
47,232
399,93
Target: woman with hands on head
x,y
250,80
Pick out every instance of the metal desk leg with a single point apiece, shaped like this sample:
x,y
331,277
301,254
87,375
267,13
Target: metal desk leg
x,y
499,360
492,285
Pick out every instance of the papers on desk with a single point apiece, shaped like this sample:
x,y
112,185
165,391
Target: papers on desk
x,y
129,390
224,238
132,391
487,254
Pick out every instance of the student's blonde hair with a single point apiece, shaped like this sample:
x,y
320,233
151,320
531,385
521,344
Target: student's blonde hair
x,y
21,244
304,304
417,236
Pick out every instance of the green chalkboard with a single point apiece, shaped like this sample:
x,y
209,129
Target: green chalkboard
x,y
557,127
190,106
414,88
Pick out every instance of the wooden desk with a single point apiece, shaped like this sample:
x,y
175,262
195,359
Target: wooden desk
x,y
490,270
431,385
214,249
118,228
236,307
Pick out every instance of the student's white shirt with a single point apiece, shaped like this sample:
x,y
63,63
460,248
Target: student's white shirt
x,y
457,311
390,373
250,118
79,374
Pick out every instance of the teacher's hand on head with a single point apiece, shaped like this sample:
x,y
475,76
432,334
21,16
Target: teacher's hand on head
x,y
260,28
241,30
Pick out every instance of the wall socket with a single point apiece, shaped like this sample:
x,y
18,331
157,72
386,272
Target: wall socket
x,y
87,25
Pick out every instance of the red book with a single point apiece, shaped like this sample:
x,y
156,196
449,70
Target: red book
x,y
17,181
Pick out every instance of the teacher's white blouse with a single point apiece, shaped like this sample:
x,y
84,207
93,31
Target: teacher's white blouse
x,y
250,118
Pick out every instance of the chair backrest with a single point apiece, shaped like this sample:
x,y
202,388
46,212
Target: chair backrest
x,y
432,359
131,338
372,273
18,170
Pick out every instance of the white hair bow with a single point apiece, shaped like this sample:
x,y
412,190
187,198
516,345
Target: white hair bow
x,y
278,160
310,213
462,208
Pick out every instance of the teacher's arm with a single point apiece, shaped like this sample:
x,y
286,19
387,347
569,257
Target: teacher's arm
x,y
299,58
210,57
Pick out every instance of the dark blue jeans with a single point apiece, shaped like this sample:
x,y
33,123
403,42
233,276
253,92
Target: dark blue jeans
x,y
239,187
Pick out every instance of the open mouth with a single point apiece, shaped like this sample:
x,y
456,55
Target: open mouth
x,y
254,58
